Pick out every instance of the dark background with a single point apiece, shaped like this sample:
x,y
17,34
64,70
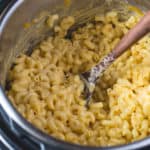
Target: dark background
x,y
3,4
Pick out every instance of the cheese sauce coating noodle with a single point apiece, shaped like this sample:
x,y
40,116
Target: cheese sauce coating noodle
x,y
47,91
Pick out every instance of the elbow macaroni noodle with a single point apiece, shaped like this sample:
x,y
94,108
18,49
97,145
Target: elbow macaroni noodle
x,y
46,88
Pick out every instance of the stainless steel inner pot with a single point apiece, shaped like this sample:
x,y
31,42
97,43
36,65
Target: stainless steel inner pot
x,y
14,39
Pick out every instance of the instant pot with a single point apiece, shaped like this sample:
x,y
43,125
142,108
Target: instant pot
x,y
15,132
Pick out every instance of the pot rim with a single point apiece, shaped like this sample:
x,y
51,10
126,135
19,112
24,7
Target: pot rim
x,y
29,128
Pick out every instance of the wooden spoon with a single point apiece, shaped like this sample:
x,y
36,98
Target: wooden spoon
x,y
90,77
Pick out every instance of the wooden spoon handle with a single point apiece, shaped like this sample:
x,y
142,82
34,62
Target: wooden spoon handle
x,y
142,28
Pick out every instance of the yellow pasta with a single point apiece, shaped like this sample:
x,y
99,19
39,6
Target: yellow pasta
x,y
47,90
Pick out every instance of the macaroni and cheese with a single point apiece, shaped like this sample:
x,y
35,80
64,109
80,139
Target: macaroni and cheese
x,y
46,88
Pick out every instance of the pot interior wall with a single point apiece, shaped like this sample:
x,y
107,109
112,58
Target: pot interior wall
x,y
15,38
